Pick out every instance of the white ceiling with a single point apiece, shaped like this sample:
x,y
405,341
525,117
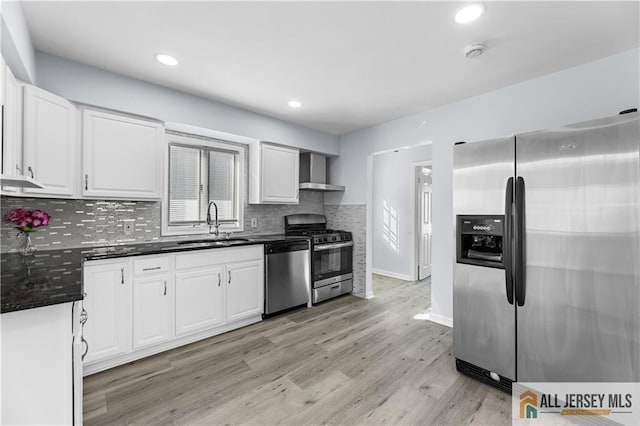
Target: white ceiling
x,y
351,64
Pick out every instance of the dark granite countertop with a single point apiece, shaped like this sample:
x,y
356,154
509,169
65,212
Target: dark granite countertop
x,y
49,277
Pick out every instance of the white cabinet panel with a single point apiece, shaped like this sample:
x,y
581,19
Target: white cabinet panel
x,y
108,305
121,156
51,149
245,290
11,129
199,300
37,369
151,310
274,174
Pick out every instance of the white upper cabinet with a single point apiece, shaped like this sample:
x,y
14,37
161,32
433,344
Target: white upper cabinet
x,y
51,148
121,156
11,128
274,174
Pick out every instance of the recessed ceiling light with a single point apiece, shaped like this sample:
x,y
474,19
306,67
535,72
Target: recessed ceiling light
x,y
294,104
167,60
469,13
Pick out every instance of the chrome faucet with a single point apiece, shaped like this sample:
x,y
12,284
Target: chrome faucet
x,y
215,223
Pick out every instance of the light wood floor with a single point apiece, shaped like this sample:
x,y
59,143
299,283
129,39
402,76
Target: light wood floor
x,y
348,361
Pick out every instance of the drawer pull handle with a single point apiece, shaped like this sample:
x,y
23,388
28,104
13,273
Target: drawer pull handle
x,y
229,277
121,275
165,287
333,287
152,269
218,279
86,181
30,170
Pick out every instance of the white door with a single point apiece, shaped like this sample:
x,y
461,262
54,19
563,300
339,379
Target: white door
x,y
279,177
424,244
199,300
121,156
245,290
11,129
151,310
108,305
51,149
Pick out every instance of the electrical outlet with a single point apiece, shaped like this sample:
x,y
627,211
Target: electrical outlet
x,y
254,222
127,225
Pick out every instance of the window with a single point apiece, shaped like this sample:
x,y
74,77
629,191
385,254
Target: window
x,y
200,171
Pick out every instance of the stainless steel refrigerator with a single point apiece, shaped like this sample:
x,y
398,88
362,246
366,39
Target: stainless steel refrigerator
x,y
547,273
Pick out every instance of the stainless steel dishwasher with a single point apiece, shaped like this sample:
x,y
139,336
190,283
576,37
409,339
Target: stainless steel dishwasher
x,y
287,276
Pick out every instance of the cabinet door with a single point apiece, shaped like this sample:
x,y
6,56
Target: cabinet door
x,y
151,310
11,129
279,176
245,290
108,305
51,149
121,156
199,300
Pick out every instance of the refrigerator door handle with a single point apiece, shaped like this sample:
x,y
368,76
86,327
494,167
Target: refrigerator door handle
x,y
520,242
507,243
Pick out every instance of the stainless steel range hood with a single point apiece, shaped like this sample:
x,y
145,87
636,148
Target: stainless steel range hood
x,y
313,173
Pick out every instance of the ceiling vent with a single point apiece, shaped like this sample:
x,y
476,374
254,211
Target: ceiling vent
x,y
474,50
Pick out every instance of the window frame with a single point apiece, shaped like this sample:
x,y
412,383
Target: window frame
x,y
200,142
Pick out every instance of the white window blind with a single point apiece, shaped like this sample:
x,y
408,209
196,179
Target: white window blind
x,y
222,183
198,175
184,184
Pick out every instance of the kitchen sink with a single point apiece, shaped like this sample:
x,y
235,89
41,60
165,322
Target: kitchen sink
x,y
212,242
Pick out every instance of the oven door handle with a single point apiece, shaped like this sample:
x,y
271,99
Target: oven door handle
x,y
332,246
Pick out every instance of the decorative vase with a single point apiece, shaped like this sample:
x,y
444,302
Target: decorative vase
x,y
28,248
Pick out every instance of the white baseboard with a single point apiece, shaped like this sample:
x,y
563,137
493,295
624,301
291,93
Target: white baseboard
x,y
428,315
369,295
441,319
392,274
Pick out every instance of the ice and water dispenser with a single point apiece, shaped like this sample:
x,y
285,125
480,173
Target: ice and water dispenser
x,y
479,240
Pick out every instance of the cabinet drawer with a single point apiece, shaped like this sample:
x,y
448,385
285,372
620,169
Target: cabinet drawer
x,y
150,265
218,256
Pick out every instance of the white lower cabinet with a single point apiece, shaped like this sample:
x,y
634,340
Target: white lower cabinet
x,y
199,300
244,297
151,310
107,285
143,305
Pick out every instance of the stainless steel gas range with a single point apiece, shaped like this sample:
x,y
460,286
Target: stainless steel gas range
x,y
331,255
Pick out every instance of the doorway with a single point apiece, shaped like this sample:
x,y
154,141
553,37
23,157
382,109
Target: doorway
x,y
424,197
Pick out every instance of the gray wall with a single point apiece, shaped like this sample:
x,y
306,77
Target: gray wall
x,y
392,174
596,89
17,48
87,84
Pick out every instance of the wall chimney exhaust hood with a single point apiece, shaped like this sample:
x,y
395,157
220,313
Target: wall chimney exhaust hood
x,y
313,173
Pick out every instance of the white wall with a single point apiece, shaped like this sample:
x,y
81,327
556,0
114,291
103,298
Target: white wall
x,y
392,232
596,89
87,84
17,48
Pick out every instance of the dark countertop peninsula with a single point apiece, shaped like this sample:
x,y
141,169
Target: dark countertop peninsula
x,y
49,277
